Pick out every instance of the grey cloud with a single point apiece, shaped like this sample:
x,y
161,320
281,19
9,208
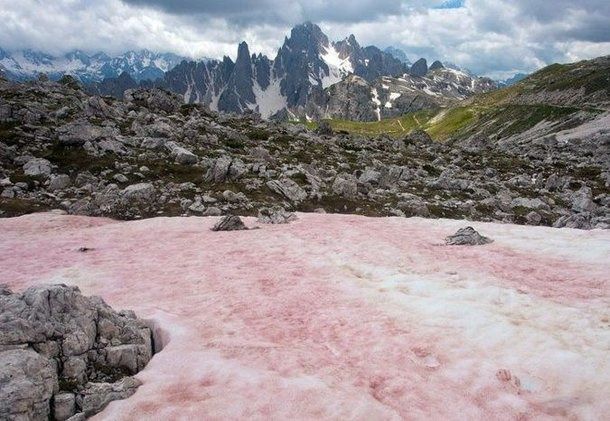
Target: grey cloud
x,y
280,11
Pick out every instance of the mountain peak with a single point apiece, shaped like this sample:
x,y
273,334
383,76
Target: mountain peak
x,y
419,68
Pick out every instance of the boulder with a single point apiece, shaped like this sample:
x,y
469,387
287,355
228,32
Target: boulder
x,y
467,236
82,352
27,384
78,133
345,185
96,396
37,166
59,182
230,223
275,215
288,188
141,192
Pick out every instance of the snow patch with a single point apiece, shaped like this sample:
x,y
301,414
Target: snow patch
x,y
377,103
269,101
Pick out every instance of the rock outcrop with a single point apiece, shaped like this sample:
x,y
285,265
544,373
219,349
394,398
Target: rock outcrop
x,y
62,353
467,237
230,223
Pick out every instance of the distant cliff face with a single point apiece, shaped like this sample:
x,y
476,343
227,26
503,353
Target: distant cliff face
x,y
292,83
355,98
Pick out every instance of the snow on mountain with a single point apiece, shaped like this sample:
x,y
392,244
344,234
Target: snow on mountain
x,y
338,67
407,93
141,65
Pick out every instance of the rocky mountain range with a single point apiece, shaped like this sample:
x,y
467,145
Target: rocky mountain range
x,y
139,65
354,98
295,84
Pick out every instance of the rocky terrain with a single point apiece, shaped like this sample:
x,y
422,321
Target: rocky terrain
x,y
65,356
151,154
389,97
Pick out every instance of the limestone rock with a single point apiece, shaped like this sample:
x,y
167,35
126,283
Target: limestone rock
x,y
275,215
467,236
288,188
37,166
96,396
230,223
27,383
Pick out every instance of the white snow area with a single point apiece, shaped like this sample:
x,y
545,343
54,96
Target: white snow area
x,y
270,100
388,104
341,317
394,96
377,103
337,66
600,126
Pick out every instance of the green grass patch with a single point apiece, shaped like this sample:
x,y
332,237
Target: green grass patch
x,y
451,122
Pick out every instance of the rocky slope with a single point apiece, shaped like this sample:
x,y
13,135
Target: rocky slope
x,y
65,356
140,65
151,154
389,97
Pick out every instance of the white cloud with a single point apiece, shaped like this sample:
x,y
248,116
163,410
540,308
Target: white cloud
x,y
490,37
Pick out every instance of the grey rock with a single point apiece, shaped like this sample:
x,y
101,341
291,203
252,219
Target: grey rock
x,y
533,218
78,133
527,203
96,396
220,170
345,185
88,339
182,155
37,166
141,192
371,177
275,215
582,200
59,182
467,236
120,178
230,223
64,406
288,188
27,383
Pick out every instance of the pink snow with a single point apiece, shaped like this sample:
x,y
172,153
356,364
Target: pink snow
x,y
342,317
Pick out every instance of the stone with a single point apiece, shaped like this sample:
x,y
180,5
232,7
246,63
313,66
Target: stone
x,y
582,200
533,218
27,383
59,182
37,166
75,340
120,178
230,223
345,185
78,133
220,170
275,215
467,236
523,202
181,155
288,188
371,177
140,192
96,396
64,406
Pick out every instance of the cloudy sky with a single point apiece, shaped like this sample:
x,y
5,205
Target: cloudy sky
x,y
491,37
